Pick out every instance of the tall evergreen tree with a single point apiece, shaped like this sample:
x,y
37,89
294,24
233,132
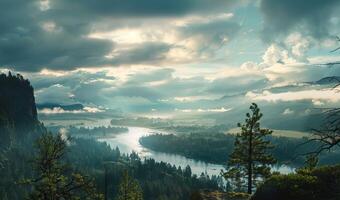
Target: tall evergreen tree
x,y
311,162
129,189
250,157
54,180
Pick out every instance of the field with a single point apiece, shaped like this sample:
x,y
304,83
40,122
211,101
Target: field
x,y
277,133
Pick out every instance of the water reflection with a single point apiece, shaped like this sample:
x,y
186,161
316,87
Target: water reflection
x,y
129,142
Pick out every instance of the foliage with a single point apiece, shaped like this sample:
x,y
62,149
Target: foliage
x,y
250,157
210,147
53,179
321,183
158,180
328,135
214,147
17,106
129,188
19,129
311,162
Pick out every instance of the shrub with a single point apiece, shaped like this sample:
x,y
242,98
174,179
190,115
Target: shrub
x,y
319,184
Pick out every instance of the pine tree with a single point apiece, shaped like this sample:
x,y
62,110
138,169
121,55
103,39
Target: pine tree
x,y
311,162
250,158
54,180
129,189
187,171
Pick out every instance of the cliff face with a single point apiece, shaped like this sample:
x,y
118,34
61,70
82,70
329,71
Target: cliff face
x,y
17,104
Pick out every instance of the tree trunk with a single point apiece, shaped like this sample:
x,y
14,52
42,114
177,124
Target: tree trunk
x,y
250,162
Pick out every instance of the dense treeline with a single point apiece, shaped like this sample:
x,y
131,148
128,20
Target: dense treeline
x,y
158,180
17,103
215,147
212,148
108,169
314,184
86,156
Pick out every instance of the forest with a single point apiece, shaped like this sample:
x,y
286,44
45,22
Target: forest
x,y
27,139
170,100
41,164
214,147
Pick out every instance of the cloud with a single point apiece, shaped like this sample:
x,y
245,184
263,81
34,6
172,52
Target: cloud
x,y
170,41
54,34
30,41
276,55
55,94
140,89
204,35
58,110
315,95
192,98
317,102
288,111
311,17
200,110
198,56
282,64
151,76
232,85
139,8
298,44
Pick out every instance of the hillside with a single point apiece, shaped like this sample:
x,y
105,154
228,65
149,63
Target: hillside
x,y
18,116
17,102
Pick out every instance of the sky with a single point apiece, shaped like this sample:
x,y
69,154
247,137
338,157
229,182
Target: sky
x,y
175,57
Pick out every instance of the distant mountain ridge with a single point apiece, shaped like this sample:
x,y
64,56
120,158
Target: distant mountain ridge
x,y
328,80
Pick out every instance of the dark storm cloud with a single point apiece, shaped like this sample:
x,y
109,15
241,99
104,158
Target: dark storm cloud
x,y
137,8
151,76
235,85
92,93
147,52
55,37
71,79
135,91
32,52
214,33
83,86
26,46
312,17
217,28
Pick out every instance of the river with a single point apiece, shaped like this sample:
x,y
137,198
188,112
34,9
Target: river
x,y
128,142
